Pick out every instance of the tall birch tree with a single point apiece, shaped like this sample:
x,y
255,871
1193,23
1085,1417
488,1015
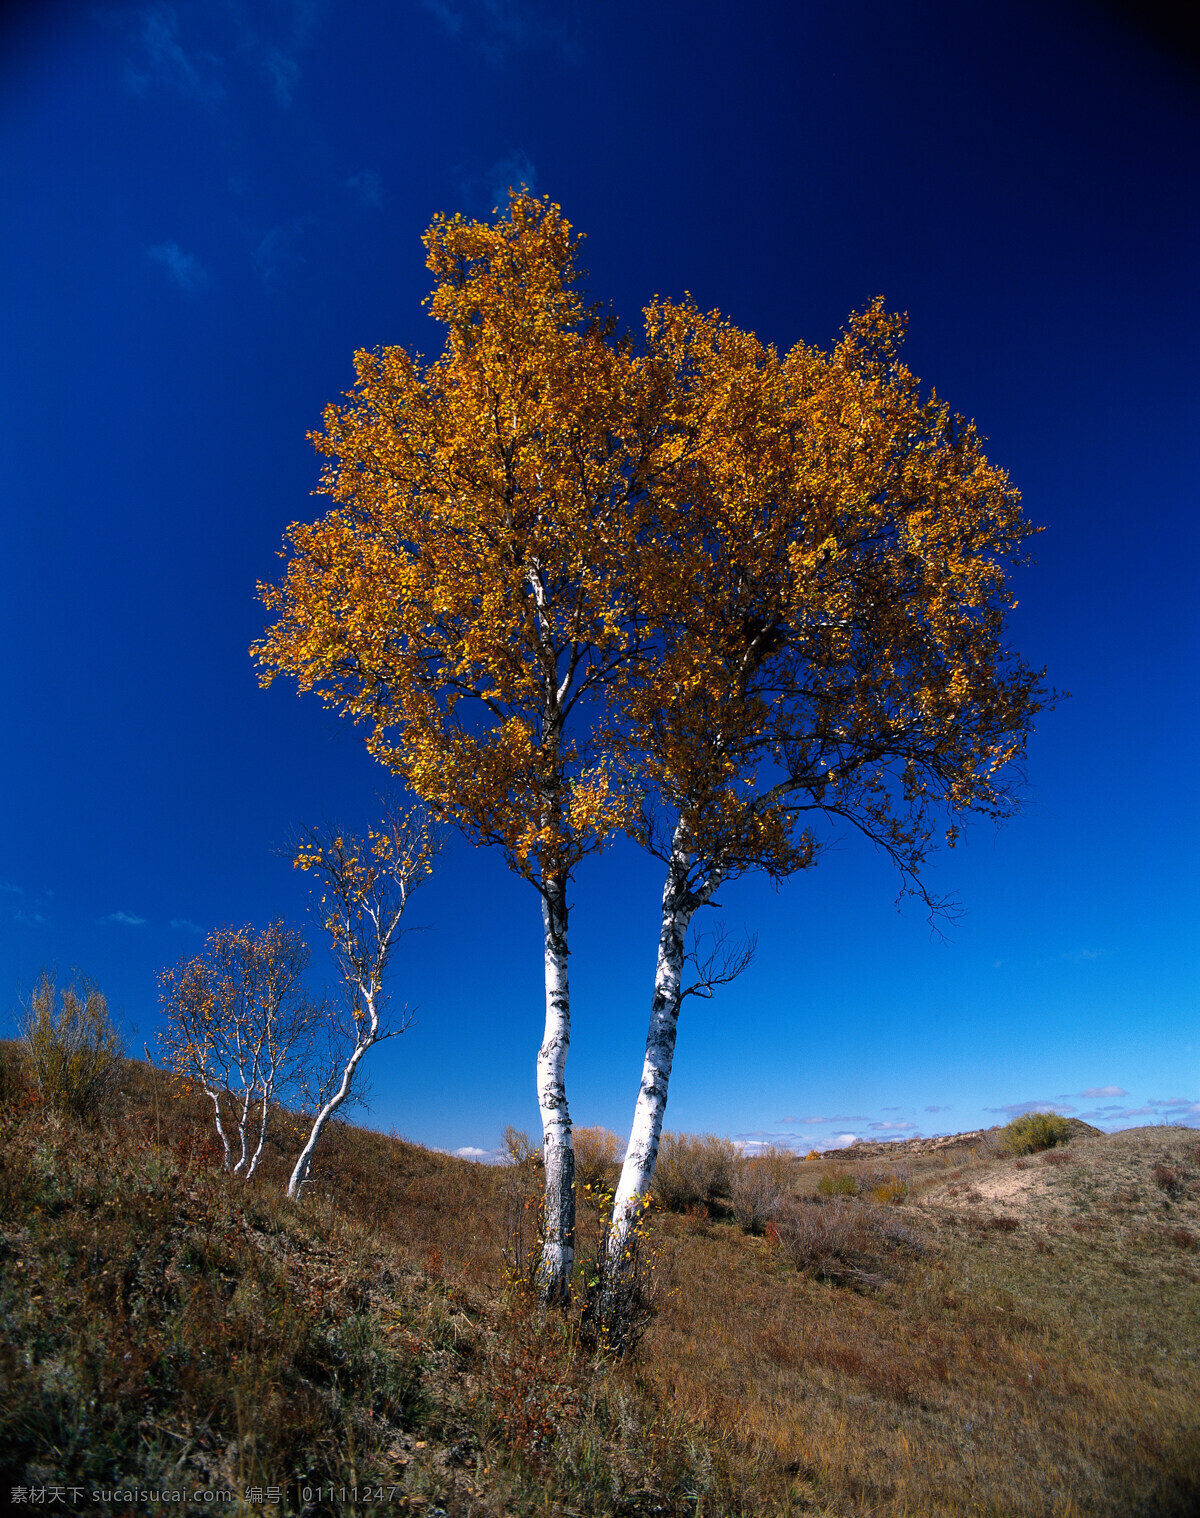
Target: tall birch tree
x,y
468,595
827,582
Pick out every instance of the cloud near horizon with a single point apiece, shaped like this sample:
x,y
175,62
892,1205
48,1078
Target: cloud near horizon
x,y
814,1121
124,919
1019,1109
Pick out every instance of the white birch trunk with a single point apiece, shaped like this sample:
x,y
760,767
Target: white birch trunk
x,y
558,1154
304,1163
215,1098
637,1171
267,1092
243,1118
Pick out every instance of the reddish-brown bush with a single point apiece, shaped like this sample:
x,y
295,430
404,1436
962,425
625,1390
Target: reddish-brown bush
x,y
844,1240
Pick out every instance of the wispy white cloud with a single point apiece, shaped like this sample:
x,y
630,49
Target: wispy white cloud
x,y
891,1127
276,255
368,187
501,27
164,61
125,919
10,889
1093,1093
1019,1109
448,15
284,74
511,172
185,269
937,1109
480,191
185,925
28,919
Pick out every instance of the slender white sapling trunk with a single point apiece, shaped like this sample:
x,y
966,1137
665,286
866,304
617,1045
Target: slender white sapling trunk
x,y
367,883
367,1035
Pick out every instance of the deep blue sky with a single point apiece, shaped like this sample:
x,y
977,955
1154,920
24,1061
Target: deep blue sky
x,y
210,206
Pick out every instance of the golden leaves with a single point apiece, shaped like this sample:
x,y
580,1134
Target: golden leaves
x,y
559,574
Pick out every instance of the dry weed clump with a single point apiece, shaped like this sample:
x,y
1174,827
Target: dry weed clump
x,y
1169,1179
889,1190
761,1187
72,1046
840,1240
693,1170
598,1155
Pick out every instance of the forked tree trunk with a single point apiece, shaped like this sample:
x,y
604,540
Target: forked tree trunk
x,y
215,1098
268,1091
558,1154
680,902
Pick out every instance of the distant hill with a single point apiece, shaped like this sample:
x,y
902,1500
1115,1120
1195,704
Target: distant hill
x,y
945,1141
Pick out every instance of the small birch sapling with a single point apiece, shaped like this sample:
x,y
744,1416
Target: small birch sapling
x,y
239,1025
366,884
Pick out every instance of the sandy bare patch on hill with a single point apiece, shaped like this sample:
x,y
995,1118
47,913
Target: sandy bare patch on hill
x,y
1142,1177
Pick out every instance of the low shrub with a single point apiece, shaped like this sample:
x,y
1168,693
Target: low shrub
x,y
887,1190
840,1240
693,1168
1002,1224
598,1153
1167,1179
520,1148
760,1187
74,1049
839,1183
1035,1131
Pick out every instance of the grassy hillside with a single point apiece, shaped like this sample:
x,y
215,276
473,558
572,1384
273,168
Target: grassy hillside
x,y
968,1333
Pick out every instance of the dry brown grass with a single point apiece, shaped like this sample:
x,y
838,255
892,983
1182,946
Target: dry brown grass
x,y
1042,1369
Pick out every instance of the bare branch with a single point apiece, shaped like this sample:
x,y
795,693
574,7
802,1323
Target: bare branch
x,y
717,960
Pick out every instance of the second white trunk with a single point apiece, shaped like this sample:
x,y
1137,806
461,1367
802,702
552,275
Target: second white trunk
x,y
558,1249
637,1172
